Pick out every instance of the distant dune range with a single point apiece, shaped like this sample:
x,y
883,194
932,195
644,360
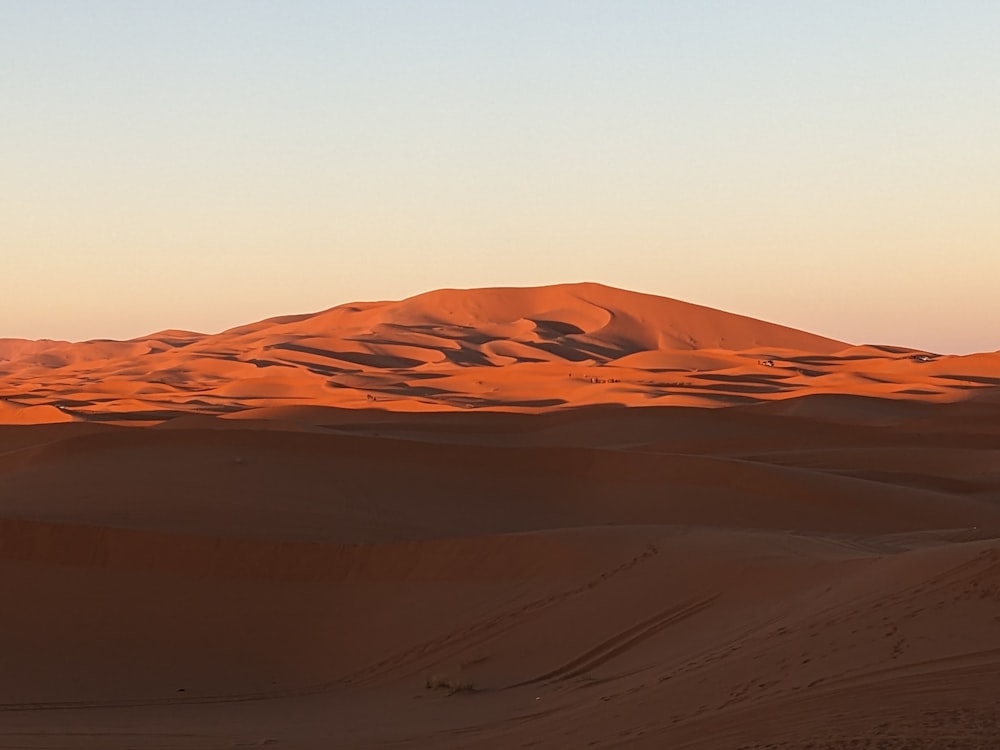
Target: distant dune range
x,y
442,523
507,349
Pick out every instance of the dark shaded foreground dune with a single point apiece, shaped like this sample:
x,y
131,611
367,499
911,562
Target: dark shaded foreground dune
x,y
818,573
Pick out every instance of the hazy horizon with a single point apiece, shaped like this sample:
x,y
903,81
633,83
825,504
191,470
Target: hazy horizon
x,y
829,167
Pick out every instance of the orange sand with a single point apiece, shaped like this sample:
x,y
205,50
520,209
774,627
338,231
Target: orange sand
x,y
221,541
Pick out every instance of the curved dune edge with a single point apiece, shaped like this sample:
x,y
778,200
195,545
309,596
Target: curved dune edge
x,y
22,414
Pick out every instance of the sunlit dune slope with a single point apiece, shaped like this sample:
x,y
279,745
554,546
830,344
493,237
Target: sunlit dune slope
x,y
521,349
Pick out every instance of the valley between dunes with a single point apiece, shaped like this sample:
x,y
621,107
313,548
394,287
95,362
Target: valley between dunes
x,y
562,517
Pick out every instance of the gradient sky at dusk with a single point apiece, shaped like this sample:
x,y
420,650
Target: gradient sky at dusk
x,y
833,166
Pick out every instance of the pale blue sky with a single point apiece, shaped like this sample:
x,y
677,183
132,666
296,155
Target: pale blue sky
x,y
834,166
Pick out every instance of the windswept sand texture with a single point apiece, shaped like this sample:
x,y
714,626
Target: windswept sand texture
x,y
508,349
224,541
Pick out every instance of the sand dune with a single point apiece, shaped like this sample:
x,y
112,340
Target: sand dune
x,y
444,523
645,577
15,413
499,349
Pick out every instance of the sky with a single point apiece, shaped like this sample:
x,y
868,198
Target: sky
x,y
199,164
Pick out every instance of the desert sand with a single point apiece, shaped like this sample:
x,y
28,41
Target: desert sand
x,y
559,517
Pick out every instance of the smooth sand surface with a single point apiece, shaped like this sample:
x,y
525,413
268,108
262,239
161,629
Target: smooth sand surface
x,y
198,550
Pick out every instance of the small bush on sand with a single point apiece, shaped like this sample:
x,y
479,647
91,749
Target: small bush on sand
x,y
450,684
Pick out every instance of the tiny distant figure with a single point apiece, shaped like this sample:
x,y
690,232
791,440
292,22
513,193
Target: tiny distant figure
x,y
767,362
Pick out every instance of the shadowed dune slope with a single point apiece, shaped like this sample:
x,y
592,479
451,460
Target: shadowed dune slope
x,y
303,485
602,576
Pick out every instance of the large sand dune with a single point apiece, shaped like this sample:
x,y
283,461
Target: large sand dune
x,y
510,349
437,523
